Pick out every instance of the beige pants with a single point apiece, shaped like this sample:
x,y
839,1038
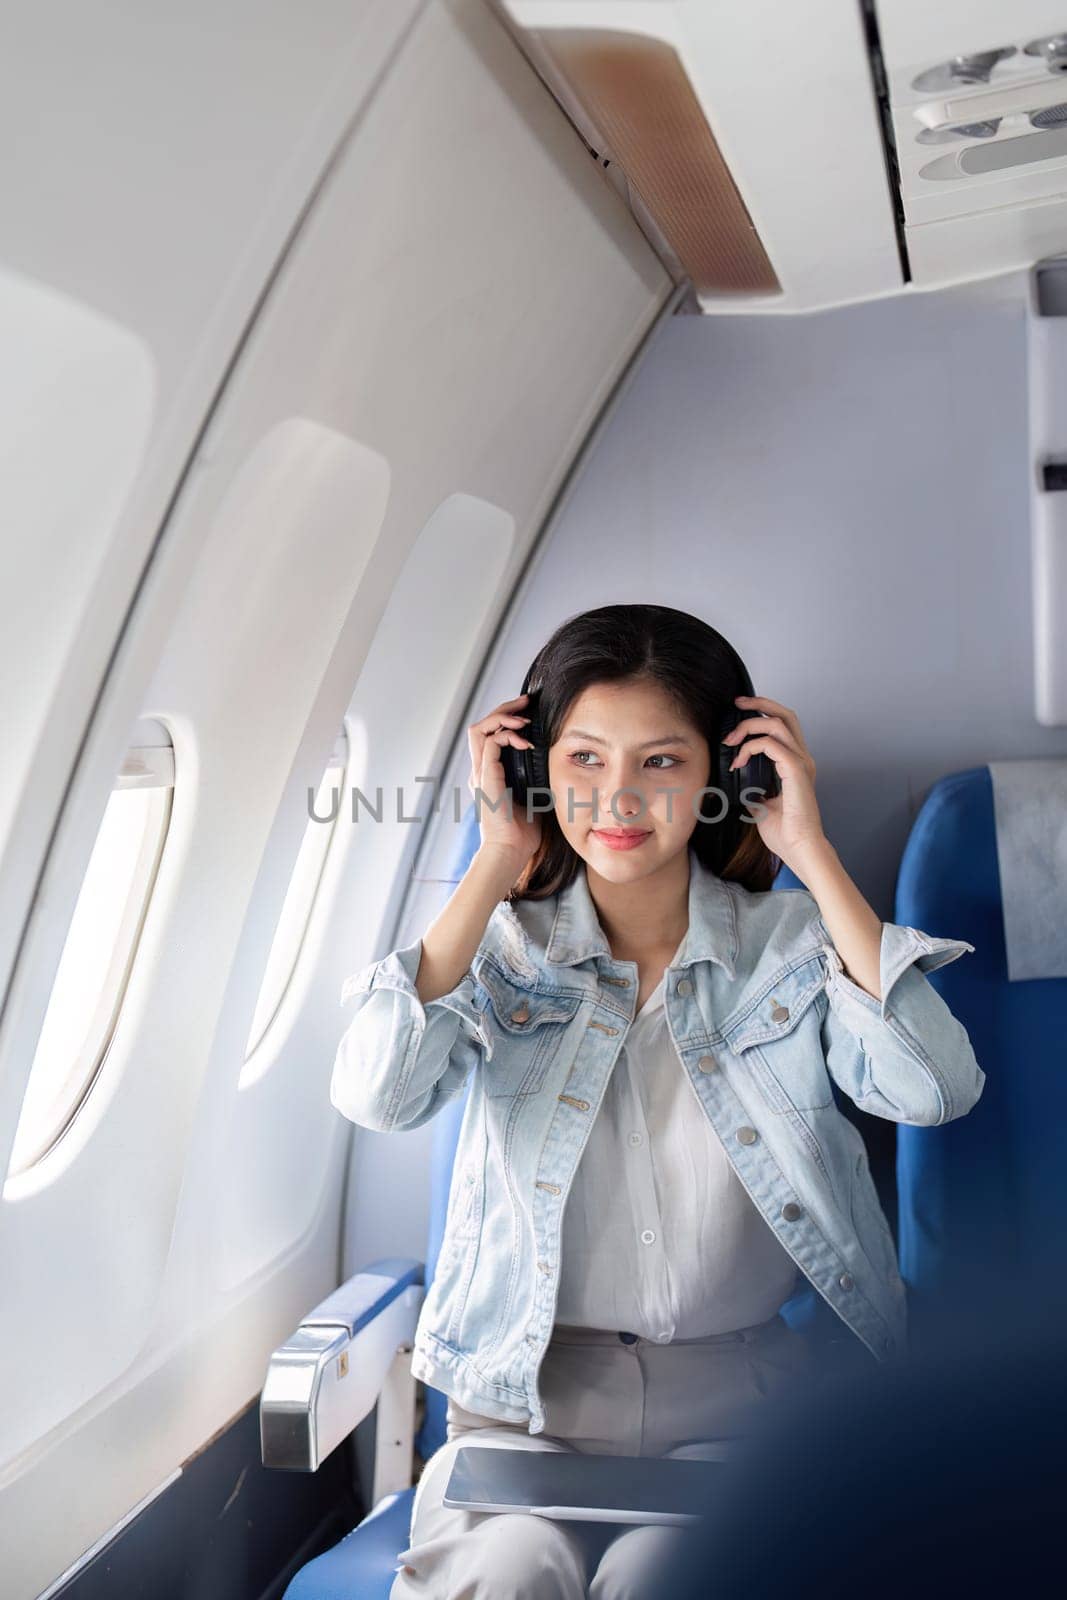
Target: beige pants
x,y
602,1395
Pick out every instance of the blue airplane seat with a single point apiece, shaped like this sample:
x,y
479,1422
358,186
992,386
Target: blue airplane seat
x,y
364,1564
980,1198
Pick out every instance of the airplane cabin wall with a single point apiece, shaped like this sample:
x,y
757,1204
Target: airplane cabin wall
x,y
389,403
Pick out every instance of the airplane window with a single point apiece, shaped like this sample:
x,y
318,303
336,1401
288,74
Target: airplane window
x,y
101,944
299,898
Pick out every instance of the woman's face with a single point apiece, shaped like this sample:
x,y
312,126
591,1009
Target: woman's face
x,y
628,742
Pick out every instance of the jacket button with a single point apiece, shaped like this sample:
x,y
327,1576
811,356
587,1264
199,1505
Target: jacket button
x,y
706,1063
780,1014
544,1266
522,1015
684,986
846,1280
791,1211
747,1135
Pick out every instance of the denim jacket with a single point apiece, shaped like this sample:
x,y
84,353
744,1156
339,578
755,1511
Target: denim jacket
x,y
764,1021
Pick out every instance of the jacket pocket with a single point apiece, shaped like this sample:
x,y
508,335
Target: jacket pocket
x,y
781,1030
527,1027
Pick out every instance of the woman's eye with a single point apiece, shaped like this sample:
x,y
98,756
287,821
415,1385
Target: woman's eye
x,y
577,756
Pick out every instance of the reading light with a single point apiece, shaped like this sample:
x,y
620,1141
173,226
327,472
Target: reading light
x,y
1052,50
965,69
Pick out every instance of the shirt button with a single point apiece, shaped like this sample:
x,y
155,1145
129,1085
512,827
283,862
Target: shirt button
x,y
635,1138
746,1135
684,986
706,1063
846,1280
648,1237
791,1211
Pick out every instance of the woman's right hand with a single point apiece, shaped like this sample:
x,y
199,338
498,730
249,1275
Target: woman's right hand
x,y
516,835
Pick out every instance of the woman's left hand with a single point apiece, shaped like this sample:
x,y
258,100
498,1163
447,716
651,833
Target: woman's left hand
x,y
789,823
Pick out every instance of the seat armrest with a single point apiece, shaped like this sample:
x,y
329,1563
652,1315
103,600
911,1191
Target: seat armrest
x,y
328,1374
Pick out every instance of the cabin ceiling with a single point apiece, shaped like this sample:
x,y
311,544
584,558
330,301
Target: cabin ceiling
x,y
792,158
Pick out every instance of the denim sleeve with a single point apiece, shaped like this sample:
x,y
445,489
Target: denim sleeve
x,y
399,1061
905,1056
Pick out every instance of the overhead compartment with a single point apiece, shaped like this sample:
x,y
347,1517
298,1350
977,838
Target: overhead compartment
x,y
746,139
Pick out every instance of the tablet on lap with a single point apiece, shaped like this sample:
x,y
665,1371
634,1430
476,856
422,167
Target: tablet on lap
x,y
588,1488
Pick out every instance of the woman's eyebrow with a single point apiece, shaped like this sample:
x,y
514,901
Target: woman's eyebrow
x,y
668,738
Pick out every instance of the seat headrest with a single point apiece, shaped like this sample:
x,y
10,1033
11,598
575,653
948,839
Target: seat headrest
x,y
1030,807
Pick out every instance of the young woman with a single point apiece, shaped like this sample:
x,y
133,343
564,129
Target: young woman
x,y
651,1161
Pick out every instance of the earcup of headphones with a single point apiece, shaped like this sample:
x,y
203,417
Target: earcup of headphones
x,y
537,758
758,772
528,769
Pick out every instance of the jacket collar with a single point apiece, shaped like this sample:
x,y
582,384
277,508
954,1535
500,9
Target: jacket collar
x,y
576,932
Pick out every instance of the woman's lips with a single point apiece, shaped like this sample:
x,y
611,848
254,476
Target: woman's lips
x,y
622,840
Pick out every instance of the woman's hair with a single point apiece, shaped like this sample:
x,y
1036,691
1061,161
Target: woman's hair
x,y
700,670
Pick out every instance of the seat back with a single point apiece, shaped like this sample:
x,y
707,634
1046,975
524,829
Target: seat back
x,y
980,1198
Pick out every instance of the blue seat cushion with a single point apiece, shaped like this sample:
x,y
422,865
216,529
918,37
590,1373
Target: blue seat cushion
x,y
364,1564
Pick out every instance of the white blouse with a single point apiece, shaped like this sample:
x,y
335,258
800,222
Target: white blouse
x,y
659,1236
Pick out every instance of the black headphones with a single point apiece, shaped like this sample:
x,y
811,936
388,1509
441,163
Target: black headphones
x,y
528,769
